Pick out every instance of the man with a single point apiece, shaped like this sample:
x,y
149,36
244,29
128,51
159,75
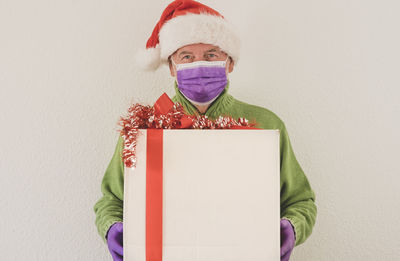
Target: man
x,y
201,49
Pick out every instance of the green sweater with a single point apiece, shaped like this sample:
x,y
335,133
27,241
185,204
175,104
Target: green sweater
x,y
296,195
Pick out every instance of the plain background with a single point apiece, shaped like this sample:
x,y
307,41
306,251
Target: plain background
x,y
328,69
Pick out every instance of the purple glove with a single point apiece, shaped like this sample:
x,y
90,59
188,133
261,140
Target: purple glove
x,y
287,239
114,241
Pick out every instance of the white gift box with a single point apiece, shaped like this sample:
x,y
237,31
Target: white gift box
x,y
220,196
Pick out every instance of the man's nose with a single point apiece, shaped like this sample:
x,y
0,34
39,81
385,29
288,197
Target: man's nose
x,y
198,58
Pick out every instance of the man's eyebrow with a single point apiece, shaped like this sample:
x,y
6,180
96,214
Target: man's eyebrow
x,y
187,52
184,52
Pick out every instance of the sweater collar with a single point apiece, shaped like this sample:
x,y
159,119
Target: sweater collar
x,y
218,107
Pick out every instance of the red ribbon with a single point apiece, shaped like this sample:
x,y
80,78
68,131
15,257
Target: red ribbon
x,y
154,179
154,190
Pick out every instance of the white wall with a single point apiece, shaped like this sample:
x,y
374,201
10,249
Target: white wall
x,y
329,69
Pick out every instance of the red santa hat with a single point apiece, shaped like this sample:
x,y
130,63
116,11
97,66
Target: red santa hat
x,y
186,22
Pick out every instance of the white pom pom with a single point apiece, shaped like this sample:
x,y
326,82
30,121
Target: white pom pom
x,y
148,59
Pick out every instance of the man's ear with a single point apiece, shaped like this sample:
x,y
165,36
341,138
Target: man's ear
x,y
231,64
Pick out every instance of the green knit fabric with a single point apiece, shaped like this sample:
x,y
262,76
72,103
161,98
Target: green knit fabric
x,y
296,195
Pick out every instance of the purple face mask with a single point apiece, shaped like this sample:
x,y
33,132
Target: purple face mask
x,y
202,81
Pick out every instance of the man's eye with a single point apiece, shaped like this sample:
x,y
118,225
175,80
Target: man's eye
x,y
211,55
186,56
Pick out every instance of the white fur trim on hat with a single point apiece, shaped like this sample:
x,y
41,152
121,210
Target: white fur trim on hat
x,y
148,59
198,28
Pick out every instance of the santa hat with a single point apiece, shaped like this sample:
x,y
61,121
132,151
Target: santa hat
x,y
186,22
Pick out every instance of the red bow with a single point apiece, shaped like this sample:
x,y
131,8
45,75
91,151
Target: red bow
x,y
164,104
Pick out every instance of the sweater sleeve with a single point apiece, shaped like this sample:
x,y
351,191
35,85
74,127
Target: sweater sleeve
x,y
297,196
109,208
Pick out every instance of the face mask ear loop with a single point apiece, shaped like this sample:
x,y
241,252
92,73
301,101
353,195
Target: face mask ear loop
x,y
226,59
176,67
227,76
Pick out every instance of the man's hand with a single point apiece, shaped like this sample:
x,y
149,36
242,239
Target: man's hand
x,y
114,241
287,239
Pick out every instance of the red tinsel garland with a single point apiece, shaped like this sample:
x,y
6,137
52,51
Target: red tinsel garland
x,y
145,117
